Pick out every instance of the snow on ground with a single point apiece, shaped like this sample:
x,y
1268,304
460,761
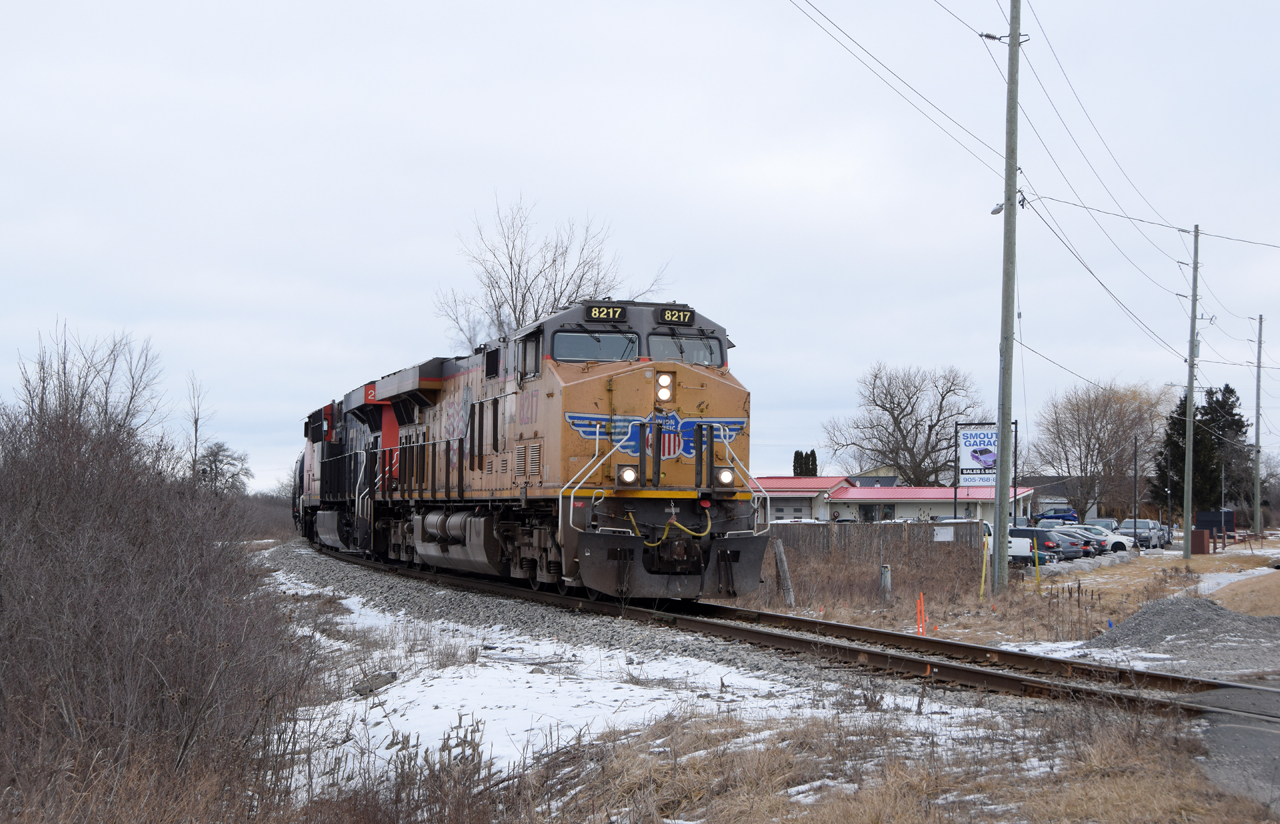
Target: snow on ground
x,y
1137,658
530,693
1211,581
1132,658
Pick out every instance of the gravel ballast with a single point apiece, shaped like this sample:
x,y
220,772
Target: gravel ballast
x,y
640,642
1197,637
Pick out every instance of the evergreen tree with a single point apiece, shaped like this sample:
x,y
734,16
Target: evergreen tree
x,y
1220,453
805,464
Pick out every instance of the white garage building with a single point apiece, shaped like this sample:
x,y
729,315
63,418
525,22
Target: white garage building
x,y
828,498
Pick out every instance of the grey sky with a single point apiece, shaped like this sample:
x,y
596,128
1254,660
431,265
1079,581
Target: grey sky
x,y
273,192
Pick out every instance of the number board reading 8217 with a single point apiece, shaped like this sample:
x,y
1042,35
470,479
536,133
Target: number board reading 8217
x,y
609,313
673,317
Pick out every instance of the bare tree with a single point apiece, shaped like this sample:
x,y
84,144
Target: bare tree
x,y
196,415
1087,436
521,278
907,421
224,470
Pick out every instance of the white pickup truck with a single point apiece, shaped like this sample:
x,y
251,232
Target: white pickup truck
x,y
1019,548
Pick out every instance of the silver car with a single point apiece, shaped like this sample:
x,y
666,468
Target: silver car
x,y
1146,532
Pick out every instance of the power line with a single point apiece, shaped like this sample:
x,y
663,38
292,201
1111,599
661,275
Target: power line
x,y
1172,415
1241,240
1129,312
1087,116
895,89
1085,156
1215,296
1235,363
1055,363
1155,223
953,14
1070,186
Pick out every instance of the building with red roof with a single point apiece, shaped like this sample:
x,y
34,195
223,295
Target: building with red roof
x,y
880,499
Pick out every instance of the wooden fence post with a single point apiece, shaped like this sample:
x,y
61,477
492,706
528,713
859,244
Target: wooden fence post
x,y
784,576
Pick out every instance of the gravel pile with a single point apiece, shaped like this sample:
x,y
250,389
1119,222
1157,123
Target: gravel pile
x,y
1199,637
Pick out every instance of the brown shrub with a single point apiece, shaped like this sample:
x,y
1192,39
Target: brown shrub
x,y
134,638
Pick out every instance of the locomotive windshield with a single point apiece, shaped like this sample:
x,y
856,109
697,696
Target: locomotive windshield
x,y
687,348
595,346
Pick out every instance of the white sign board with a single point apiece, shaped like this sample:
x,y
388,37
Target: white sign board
x,y
979,449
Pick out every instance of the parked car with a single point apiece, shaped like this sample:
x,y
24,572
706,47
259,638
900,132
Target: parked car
x,y
1108,524
1061,513
1089,541
1071,547
1050,523
1147,532
1108,539
1045,541
1020,521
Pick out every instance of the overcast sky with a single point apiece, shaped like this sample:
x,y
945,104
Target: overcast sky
x,y
272,193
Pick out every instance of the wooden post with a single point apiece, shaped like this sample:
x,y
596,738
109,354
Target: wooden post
x,y
784,576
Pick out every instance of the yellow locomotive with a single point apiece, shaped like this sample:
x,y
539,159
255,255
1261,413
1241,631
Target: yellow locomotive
x,y
604,447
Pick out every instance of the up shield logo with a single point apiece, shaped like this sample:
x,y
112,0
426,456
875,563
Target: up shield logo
x,y
677,432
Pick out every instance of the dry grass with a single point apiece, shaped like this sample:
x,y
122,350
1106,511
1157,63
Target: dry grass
x,y
1049,763
1063,608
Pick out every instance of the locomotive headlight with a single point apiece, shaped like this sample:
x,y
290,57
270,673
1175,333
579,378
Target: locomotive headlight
x,y
627,475
724,476
666,386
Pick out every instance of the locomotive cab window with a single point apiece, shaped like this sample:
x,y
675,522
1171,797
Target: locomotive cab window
x,y
492,361
686,348
595,346
531,355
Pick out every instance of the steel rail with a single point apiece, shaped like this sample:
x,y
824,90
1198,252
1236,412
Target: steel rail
x,y
1125,688
1047,665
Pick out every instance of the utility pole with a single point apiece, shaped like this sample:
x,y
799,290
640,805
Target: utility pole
x,y
1192,347
1257,441
1135,481
1004,472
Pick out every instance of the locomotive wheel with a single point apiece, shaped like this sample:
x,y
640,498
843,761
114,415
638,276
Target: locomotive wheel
x,y
536,584
594,594
562,587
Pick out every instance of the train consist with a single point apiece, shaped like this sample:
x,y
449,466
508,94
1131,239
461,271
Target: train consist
x,y
604,447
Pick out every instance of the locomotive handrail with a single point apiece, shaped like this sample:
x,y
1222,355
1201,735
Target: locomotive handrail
x,y
591,466
750,479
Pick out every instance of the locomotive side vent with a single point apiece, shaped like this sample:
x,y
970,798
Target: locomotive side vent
x,y
488,466
535,459
520,459
503,470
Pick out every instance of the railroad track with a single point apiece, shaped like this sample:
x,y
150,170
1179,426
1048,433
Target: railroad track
x,y
933,659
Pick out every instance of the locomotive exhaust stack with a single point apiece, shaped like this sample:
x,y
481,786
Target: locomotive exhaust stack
x,y
603,447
